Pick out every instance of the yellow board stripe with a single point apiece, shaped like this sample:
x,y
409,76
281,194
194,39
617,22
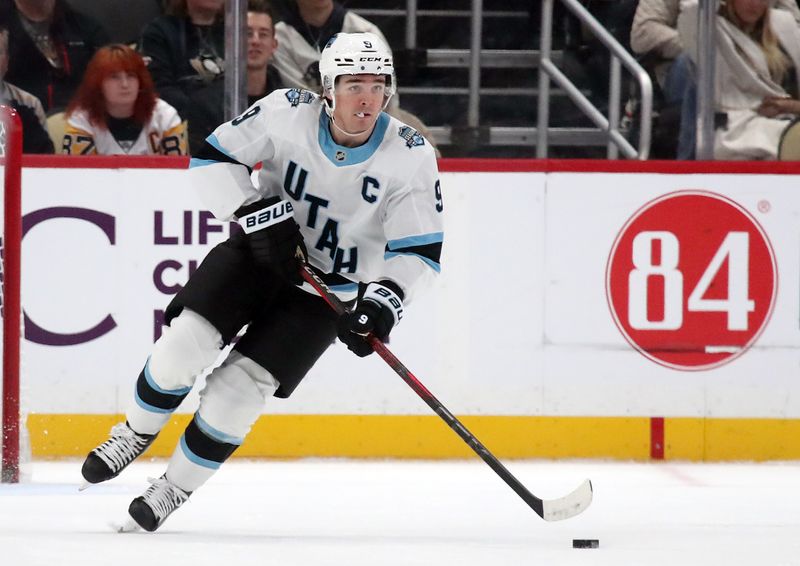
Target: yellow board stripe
x,y
411,436
732,439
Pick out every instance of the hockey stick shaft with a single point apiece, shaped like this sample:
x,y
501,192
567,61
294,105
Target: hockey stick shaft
x,y
534,502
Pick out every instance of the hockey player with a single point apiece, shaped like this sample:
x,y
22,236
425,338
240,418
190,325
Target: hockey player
x,y
343,186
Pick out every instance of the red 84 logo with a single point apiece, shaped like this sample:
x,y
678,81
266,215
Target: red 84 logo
x,y
691,280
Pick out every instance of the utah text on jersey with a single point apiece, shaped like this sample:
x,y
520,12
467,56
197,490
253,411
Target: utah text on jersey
x,y
366,212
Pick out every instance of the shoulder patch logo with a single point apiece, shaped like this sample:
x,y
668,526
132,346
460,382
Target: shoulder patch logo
x,y
413,137
298,96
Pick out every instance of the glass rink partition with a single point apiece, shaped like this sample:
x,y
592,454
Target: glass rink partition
x,y
585,309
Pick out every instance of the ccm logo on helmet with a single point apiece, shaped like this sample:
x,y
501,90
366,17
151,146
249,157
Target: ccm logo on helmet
x,y
370,59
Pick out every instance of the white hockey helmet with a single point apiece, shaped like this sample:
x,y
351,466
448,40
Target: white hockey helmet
x,y
355,54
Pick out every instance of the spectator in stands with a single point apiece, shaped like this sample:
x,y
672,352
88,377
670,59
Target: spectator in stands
x,y
756,80
185,50
122,19
262,77
50,45
307,28
655,38
654,32
116,110
34,126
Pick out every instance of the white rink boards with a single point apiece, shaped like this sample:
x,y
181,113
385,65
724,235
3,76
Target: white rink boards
x,y
518,320
561,292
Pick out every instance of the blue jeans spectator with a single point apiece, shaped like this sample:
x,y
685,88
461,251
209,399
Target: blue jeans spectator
x,y
680,89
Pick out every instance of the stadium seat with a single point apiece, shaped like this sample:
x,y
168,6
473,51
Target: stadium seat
x,y
56,125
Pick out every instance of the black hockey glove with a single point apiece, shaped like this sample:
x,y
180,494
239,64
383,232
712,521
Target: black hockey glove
x,y
378,310
274,237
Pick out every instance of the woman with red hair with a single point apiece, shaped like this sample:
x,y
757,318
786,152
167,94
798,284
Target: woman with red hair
x,y
116,111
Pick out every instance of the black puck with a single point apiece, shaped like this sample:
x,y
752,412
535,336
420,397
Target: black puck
x,y
585,543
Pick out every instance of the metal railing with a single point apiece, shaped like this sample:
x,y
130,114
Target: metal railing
x,y
475,59
235,97
619,56
706,34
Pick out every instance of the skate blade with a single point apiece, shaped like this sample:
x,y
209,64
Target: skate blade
x,y
128,526
84,486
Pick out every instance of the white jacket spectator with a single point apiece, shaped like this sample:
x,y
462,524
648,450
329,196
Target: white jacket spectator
x,y
654,30
748,89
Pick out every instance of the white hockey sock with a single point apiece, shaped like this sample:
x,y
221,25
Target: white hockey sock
x,y
229,405
144,421
185,469
188,346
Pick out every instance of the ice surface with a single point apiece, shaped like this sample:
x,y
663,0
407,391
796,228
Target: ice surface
x,y
378,513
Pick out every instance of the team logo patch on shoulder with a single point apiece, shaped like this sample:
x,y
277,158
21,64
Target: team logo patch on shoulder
x,y
298,96
413,137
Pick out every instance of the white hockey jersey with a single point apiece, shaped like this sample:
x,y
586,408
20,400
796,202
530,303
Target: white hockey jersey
x,y
366,213
164,134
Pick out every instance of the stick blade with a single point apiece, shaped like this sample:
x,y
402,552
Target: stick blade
x,y
569,505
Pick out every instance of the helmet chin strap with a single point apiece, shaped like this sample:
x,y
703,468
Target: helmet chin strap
x,y
329,111
345,132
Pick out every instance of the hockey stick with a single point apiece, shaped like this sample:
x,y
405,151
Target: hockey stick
x,y
549,510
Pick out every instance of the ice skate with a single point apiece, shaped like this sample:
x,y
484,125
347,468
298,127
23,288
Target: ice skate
x,y
112,456
152,508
